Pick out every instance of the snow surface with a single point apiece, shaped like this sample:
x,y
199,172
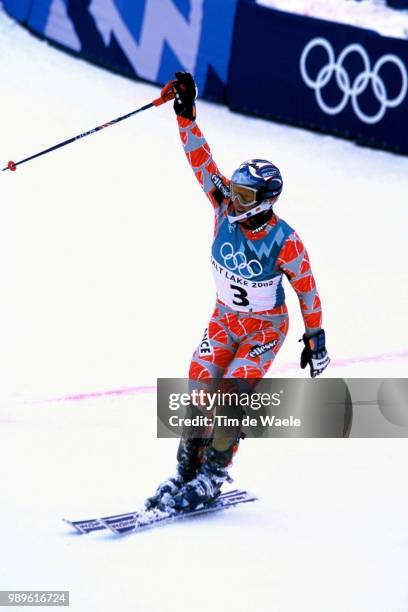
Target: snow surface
x,y
371,14
106,285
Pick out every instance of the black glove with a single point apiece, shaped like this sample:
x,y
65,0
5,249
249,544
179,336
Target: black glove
x,y
315,353
186,93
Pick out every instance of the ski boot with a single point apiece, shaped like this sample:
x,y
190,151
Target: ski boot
x,y
205,487
189,457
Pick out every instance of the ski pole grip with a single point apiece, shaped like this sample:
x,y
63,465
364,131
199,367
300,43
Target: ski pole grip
x,y
166,94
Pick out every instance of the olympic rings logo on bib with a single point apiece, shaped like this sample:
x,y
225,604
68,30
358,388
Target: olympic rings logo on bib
x,y
353,89
238,262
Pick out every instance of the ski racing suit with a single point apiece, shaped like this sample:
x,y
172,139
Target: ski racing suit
x,y
250,320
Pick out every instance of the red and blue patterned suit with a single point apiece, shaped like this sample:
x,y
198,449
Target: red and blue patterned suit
x,y
250,320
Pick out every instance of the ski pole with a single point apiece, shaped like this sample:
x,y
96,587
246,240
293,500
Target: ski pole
x,y
166,95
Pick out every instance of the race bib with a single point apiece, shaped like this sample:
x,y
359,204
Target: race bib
x,y
247,294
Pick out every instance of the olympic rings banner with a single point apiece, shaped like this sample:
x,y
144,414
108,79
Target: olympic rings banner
x,y
313,73
149,39
327,76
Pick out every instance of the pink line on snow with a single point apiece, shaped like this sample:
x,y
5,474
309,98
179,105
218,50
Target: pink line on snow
x,y
340,363
336,363
78,397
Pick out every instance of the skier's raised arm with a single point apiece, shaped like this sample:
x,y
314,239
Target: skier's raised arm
x,y
196,148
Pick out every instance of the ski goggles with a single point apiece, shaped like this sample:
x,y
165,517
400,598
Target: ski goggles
x,y
246,195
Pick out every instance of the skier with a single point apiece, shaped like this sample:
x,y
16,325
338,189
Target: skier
x,y
252,250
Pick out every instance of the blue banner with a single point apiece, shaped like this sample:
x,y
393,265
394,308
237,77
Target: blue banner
x,y
323,75
19,9
319,74
398,4
146,39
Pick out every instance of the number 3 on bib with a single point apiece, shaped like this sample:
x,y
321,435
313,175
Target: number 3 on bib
x,y
241,295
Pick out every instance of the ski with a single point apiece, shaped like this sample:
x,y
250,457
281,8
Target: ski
x,y
131,518
153,518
